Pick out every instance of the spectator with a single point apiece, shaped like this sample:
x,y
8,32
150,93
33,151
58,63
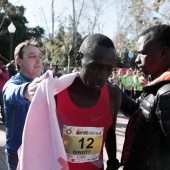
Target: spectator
x,y
45,68
55,70
110,79
16,93
143,80
121,79
64,71
138,89
4,76
128,82
114,79
11,69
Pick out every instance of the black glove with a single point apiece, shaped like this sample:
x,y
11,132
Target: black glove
x,y
113,165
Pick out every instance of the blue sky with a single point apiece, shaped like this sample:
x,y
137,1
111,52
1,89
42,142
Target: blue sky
x,y
38,12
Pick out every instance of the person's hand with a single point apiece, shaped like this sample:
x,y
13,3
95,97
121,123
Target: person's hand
x,y
0,71
31,88
113,165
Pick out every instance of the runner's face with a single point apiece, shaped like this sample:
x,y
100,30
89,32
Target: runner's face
x,y
149,57
96,69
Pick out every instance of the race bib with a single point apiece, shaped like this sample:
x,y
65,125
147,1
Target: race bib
x,y
82,144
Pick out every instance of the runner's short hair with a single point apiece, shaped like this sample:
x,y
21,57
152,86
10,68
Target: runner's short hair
x,y
160,32
92,41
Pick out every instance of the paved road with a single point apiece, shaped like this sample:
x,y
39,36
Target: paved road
x,y
120,129
2,142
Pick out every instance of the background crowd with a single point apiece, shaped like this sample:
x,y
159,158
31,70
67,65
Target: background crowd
x,y
129,81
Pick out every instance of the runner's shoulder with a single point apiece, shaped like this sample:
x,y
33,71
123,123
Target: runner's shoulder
x,y
114,91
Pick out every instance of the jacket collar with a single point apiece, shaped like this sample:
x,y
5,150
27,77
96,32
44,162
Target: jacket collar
x,y
165,76
161,80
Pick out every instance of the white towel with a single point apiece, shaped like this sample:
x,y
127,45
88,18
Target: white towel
x,y
42,144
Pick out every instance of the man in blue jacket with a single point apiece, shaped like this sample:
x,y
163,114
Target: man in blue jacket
x,y
16,95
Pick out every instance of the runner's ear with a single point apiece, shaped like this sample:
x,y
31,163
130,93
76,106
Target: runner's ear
x,y
79,57
165,52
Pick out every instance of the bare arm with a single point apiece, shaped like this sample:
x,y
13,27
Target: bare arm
x,y
111,148
110,142
128,105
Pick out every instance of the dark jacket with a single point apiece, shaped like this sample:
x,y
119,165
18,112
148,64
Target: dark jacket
x,y
147,138
4,77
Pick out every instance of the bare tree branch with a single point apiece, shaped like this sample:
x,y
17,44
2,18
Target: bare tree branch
x,y
79,15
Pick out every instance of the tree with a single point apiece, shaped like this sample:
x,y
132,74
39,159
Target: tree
x,y
123,27
135,16
75,22
58,50
15,14
94,10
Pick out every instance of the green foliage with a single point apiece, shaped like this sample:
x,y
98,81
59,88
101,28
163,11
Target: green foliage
x,y
130,63
58,50
15,14
124,60
119,62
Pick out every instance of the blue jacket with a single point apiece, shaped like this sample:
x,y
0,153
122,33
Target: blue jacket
x,y
16,108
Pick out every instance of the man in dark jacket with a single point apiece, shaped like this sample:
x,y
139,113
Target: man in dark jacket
x,y
147,140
